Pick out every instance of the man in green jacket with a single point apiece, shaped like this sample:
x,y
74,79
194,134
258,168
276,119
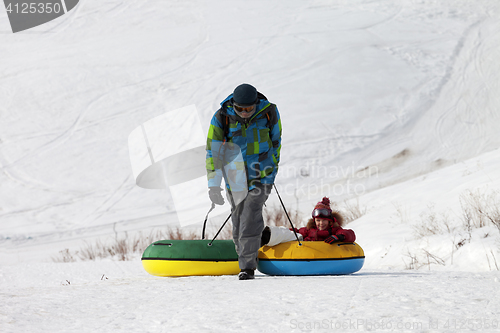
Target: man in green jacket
x,y
243,147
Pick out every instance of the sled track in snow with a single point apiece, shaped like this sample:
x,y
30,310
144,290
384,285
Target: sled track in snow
x,y
474,97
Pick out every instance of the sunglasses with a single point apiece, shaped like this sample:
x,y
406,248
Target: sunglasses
x,y
322,212
241,108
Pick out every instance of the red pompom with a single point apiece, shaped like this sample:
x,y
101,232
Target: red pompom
x,y
323,204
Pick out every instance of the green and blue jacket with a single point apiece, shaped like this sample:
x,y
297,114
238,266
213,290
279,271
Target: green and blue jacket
x,y
257,138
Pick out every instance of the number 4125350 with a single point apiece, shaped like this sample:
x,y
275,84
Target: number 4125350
x,y
33,8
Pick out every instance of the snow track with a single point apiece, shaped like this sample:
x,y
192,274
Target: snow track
x,y
121,297
455,121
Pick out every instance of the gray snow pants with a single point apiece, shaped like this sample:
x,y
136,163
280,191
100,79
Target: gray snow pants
x,y
248,224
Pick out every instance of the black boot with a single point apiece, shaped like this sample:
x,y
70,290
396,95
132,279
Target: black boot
x,y
246,274
266,236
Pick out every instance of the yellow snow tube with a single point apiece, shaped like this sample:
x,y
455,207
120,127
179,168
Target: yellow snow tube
x,y
190,268
191,257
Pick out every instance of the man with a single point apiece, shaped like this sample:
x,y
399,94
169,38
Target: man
x,y
243,147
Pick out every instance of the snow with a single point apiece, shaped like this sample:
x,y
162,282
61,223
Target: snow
x,y
391,104
121,297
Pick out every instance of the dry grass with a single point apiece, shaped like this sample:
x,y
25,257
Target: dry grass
x,y
352,210
276,216
432,224
422,259
127,248
402,212
273,216
479,209
121,248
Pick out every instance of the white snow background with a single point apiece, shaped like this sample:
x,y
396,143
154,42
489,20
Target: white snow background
x,y
392,104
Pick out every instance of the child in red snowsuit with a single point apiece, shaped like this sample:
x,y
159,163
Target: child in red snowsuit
x,y
326,225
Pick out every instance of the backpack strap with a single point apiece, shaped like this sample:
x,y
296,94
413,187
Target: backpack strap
x,y
225,127
270,115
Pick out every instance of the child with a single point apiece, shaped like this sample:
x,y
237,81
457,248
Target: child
x,y
325,225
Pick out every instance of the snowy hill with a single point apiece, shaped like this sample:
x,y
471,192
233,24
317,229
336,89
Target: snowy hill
x,y
391,104
401,103
398,90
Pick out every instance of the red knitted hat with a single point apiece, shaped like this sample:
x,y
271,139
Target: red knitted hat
x,y
323,204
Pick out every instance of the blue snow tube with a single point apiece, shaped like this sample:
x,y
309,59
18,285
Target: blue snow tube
x,y
311,258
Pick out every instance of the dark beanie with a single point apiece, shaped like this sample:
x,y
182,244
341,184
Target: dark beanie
x,y
245,94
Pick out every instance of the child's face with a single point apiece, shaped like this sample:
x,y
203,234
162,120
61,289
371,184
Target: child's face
x,y
321,223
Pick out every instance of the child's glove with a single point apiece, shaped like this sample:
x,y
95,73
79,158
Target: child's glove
x,y
334,238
